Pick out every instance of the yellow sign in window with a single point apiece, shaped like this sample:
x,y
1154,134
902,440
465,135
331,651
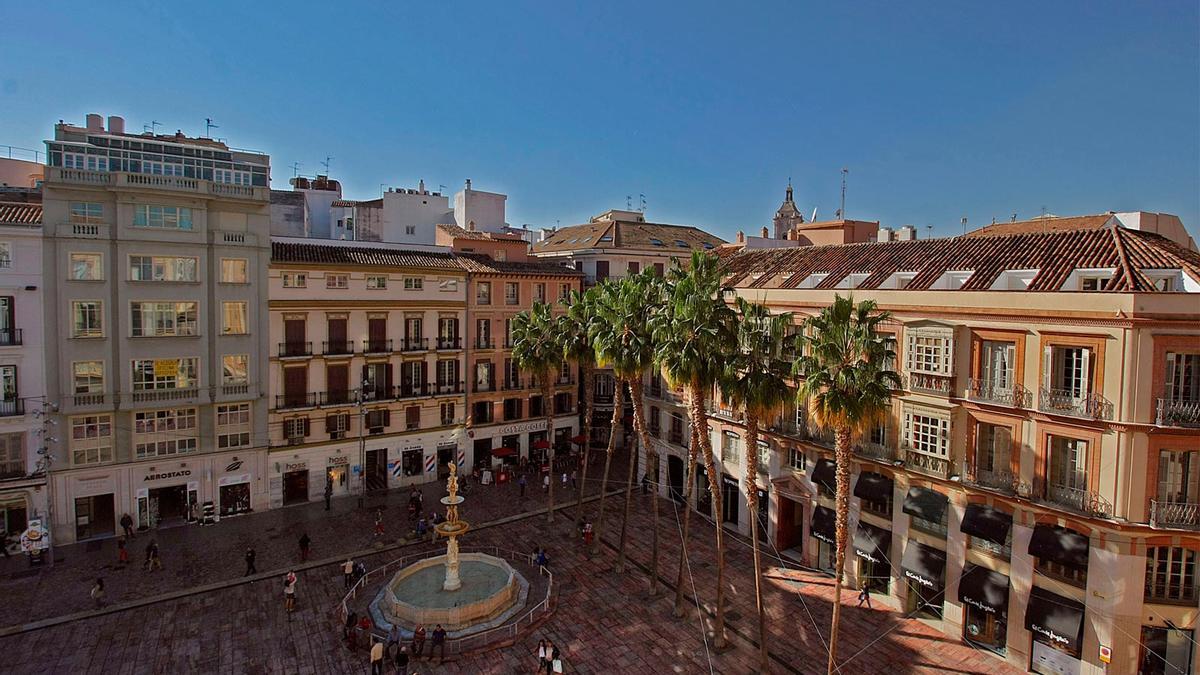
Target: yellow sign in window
x,y
166,367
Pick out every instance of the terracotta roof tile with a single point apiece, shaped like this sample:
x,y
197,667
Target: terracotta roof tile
x,y
460,233
482,264
627,234
1044,224
17,213
335,254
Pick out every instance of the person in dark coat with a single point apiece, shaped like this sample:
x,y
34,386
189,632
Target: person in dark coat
x,y
250,556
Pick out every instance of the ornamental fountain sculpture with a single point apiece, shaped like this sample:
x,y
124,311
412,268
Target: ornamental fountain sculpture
x,y
452,528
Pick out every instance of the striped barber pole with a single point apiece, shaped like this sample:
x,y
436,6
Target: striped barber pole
x,y
462,459
430,464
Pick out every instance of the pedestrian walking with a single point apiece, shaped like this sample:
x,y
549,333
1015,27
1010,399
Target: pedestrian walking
x,y
393,637
98,593
377,658
564,481
289,592
418,641
439,643
250,556
551,656
864,595
328,493
521,484
542,653
153,561
127,526
421,528
587,534
546,482
402,660
305,542
349,632
541,559
122,552
574,479
556,664
347,573
645,483
378,523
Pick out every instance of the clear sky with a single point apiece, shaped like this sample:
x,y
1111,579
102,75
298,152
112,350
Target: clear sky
x,y
939,109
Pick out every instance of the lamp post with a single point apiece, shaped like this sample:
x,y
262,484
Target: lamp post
x,y
362,441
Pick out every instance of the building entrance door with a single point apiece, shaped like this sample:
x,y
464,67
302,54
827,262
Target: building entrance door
x,y
445,455
675,477
295,487
168,505
483,453
730,496
376,470
94,516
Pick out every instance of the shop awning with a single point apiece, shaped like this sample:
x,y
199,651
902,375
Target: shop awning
x,y
824,525
873,543
1054,619
579,440
925,565
873,487
504,452
984,589
823,473
541,445
987,523
926,504
1060,544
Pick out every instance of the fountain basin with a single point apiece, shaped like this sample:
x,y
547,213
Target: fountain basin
x,y
490,590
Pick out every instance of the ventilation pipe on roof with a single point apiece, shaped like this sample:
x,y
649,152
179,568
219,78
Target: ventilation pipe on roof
x,y
741,237
766,234
116,124
470,225
95,122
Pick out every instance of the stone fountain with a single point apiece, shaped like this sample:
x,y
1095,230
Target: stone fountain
x,y
452,528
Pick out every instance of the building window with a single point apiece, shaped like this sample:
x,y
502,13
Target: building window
x,y
161,268
993,451
159,374
87,267
731,446
166,217
377,282
1171,574
233,426
414,283
86,212
1068,480
512,293
159,433
1166,650
928,435
295,430
162,319
12,457
413,461
797,459
412,417
997,361
992,548
764,456
86,319
235,318
91,439
232,177
378,420
410,230
88,377
235,369
447,413
234,271
338,281
930,351
539,293
337,425
483,293
1182,383
564,291
295,280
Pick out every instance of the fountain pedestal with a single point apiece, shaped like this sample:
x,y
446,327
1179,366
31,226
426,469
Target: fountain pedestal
x,y
452,528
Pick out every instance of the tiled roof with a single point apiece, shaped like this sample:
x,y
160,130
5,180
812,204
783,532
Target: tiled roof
x,y
627,234
335,254
1045,224
460,233
1054,253
482,264
17,213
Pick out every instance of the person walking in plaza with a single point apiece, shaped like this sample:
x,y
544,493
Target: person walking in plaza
x,y
127,526
521,484
402,660
556,664
542,559
393,638
289,592
153,561
305,543
546,482
378,524
250,556
347,573
864,594
574,479
439,643
588,534
377,658
418,641
328,492
98,593
543,653
122,552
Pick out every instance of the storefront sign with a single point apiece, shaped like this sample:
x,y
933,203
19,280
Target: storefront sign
x,y
233,466
166,367
524,427
338,460
920,579
1055,638
233,480
167,474
1105,654
296,466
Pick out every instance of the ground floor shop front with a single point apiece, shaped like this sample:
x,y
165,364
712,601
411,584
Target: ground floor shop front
x,y
495,445
21,501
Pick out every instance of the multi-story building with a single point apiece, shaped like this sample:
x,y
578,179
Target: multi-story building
x,y
23,431
1035,487
155,257
367,367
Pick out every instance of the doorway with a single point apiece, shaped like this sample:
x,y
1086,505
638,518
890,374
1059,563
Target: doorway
x,y
376,470
483,453
764,510
445,455
703,496
730,496
295,487
168,505
95,516
675,477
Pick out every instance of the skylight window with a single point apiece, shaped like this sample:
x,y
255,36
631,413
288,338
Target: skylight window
x,y
708,246
952,280
813,280
656,242
1014,280
853,280
681,243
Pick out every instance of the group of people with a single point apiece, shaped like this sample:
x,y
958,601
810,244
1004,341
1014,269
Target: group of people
x,y
395,650
549,658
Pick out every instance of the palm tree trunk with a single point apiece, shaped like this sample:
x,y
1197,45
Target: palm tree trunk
x,y
620,567
842,456
587,443
612,446
693,450
764,664
639,424
548,406
700,420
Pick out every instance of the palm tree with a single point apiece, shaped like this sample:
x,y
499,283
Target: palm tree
x,y
756,382
692,333
848,388
536,350
623,343
577,347
601,291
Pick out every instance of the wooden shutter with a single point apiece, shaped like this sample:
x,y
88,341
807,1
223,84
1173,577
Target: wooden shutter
x,y
293,331
387,379
387,417
337,379
1047,367
295,384
337,332
331,424
1085,370
377,330
305,425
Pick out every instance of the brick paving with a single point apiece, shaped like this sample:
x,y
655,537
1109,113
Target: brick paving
x,y
603,622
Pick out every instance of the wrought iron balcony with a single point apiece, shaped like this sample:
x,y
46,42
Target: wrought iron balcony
x,y
294,349
295,400
1174,514
330,398
1001,481
377,346
11,337
514,384
927,383
414,344
877,451
988,392
1171,413
927,464
337,348
1090,406
485,343
410,390
444,388
12,407
1083,501
449,343
482,387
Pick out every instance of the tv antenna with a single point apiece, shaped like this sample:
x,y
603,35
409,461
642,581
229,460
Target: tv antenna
x,y
441,189
628,202
208,127
295,169
325,163
929,231
152,127
964,224
642,197
842,211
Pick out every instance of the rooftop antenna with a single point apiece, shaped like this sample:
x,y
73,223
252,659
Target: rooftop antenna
x,y
152,127
929,231
441,189
295,169
964,224
643,206
325,163
208,127
842,211
1014,217
814,216
628,202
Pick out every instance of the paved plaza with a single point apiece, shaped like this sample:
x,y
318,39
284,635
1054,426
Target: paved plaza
x,y
602,622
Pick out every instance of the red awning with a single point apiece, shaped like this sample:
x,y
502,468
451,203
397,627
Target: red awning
x,y
541,445
579,440
503,452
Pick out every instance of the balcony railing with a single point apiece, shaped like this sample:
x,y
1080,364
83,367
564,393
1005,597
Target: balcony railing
x,y
377,346
337,398
484,386
12,407
443,388
414,344
10,337
165,394
1082,501
154,182
337,348
1170,413
235,389
1174,514
1067,402
724,412
927,464
377,393
409,390
485,343
515,384
293,401
941,385
1001,481
294,349
88,399
449,343
877,451
988,392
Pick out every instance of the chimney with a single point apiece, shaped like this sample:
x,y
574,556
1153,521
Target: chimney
x,y
468,184
421,186
95,122
116,124
470,223
766,234
741,237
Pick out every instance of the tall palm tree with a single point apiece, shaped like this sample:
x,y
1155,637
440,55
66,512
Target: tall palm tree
x,y
577,348
692,333
623,343
848,388
536,350
756,382
602,290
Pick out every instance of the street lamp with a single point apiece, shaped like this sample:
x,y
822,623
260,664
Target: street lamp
x,y
362,441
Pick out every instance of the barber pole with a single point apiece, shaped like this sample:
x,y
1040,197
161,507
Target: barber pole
x,y
430,464
462,459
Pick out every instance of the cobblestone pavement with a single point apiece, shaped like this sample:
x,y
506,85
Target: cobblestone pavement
x,y
603,622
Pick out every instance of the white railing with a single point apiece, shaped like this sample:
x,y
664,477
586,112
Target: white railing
x,y
56,174
1174,514
509,630
164,395
1169,413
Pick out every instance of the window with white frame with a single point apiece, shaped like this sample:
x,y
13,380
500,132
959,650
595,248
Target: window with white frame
x,y
162,433
927,433
1171,574
295,429
235,369
87,266
377,282
539,292
731,447
162,168
233,426
87,319
78,160
929,350
88,377
1066,370
483,292
91,439
1182,383
159,374
764,456
86,212
414,283
162,268
6,252
337,281
235,318
797,459
234,271
564,291
512,293
162,319
232,177
12,456
446,413
163,217
295,280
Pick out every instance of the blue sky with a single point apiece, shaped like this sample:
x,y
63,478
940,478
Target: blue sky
x,y
939,110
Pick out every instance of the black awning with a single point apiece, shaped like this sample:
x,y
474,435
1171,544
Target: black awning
x,y
1060,544
925,565
987,523
873,543
824,525
984,589
873,487
1054,619
926,504
823,473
